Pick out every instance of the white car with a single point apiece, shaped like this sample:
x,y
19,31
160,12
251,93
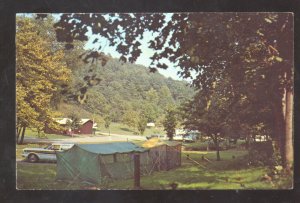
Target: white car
x,y
189,138
44,154
161,137
178,137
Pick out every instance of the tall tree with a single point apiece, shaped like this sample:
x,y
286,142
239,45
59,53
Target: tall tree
x,y
107,122
38,73
170,122
142,123
131,118
210,113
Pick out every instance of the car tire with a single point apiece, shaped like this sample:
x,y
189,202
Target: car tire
x,y
32,158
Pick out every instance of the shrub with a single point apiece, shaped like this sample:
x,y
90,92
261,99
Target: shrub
x,y
262,154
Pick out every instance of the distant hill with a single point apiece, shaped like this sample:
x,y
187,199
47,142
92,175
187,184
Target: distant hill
x,y
126,86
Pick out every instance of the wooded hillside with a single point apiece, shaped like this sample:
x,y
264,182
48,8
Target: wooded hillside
x,y
123,88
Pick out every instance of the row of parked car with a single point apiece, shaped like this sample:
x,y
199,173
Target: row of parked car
x,y
188,137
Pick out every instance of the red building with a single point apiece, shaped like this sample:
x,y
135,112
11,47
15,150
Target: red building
x,y
86,127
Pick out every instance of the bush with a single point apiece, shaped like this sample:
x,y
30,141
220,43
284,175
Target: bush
x,y
262,154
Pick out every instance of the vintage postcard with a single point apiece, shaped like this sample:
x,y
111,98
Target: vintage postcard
x,y
154,101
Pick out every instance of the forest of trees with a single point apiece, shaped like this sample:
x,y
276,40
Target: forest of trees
x,y
124,88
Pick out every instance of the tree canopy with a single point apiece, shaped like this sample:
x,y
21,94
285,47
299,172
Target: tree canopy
x,y
253,51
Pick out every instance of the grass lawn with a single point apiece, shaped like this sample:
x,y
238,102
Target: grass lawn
x,y
229,173
119,128
32,133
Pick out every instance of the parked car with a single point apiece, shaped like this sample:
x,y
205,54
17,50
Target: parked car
x,y
44,154
261,138
178,137
189,138
157,136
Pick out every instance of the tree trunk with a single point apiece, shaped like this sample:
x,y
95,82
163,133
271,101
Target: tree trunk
x,y
218,153
216,142
18,133
289,131
279,129
22,136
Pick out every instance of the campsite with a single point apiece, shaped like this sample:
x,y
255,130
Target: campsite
x,y
193,173
154,101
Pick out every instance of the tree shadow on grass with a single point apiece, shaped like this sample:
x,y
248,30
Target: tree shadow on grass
x,y
187,179
127,129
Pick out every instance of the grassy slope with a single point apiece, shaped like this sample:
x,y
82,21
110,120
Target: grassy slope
x,y
228,173
122,129
32,133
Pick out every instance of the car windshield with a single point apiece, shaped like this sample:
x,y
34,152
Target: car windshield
x,y
53,147
48,147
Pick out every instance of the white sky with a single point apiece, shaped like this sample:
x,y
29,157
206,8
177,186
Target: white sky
x,y
144,58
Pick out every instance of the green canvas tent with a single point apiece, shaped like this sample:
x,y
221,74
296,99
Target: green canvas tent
x,y
96,163
162,155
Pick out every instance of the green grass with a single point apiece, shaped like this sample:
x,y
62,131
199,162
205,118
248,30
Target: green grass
x,y
32,133
122,129
39,176
193,177
228,173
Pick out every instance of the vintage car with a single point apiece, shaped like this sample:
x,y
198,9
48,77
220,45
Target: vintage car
x,y
189,138
178,137
44,154
162,137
